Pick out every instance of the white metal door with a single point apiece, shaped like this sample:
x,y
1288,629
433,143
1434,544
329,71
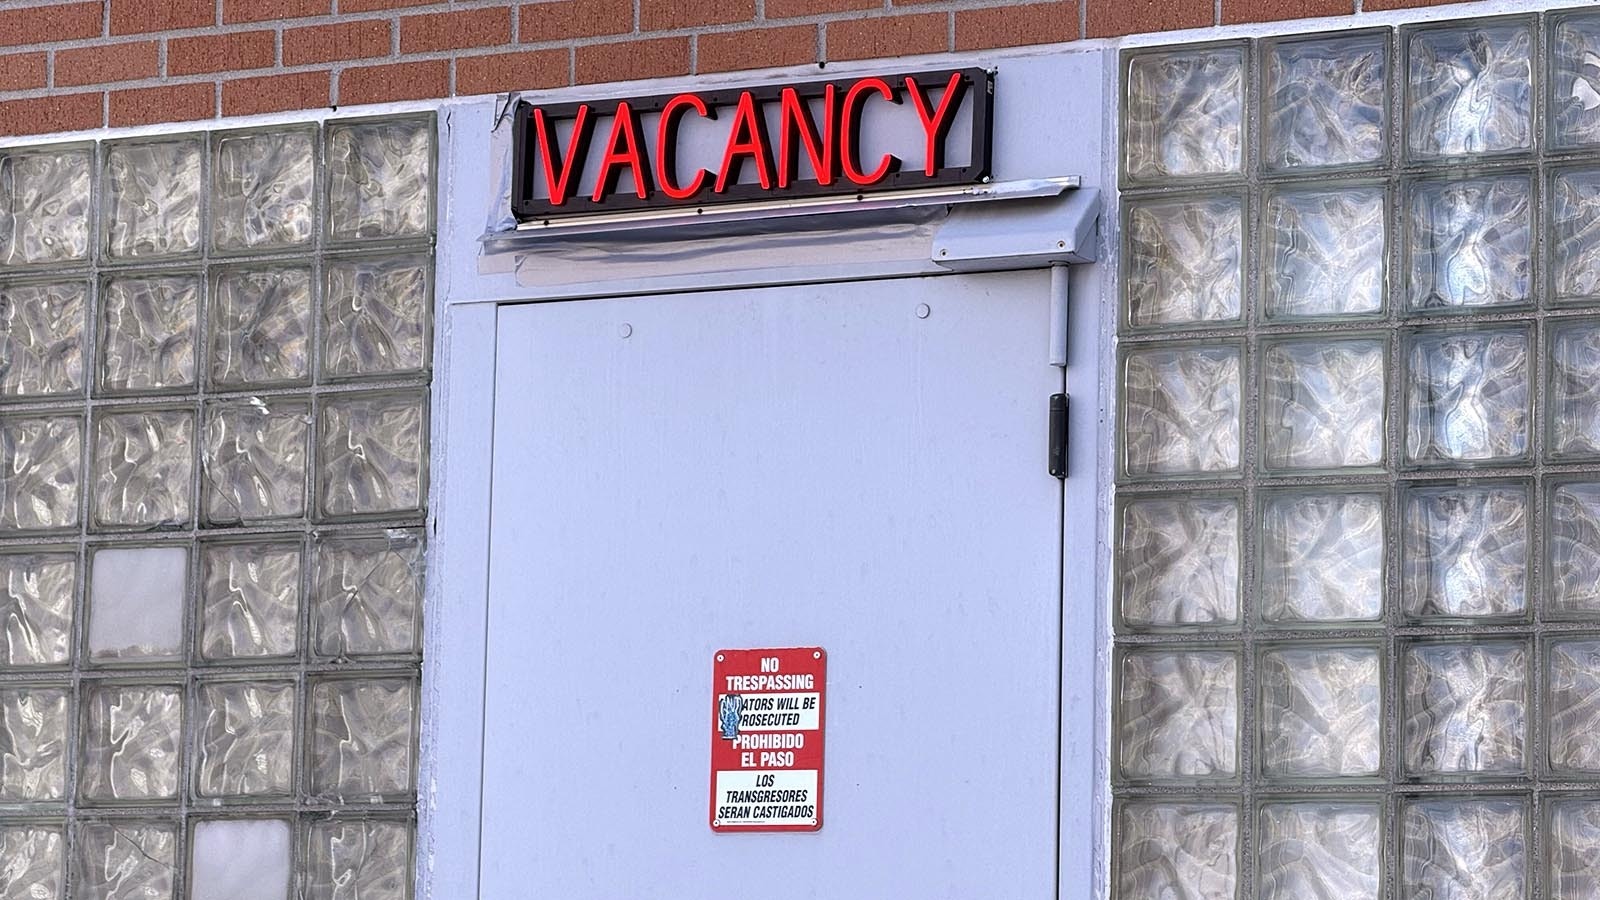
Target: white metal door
x,y
808,465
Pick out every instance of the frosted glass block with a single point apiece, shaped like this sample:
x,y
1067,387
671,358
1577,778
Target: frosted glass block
x,y
41,337
241,859
1325,102
43,464
261,327
254,460
1575,388
250,599
1573,707
1178,714
368,595
1324,403
370,459
1456,848
1321,711
36,593
1178,561
152,198
144,462
149,326
1464,708
363,736
33,742
1575,81
125,860
1322,558
1180,410
365,858
44,206
1470,243
1325,251
380,179
131,739
1184,261
1574,840
32,861
1470,90
1574,510
1574,234
265,185
1467,395
245,739
136,601
375,315
1320,849
1184,113
1466,551
1177,848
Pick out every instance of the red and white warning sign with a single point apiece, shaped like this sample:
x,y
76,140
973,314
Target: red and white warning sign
x,y
766,739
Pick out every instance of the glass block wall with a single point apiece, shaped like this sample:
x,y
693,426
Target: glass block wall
x,y
214,368
1357,585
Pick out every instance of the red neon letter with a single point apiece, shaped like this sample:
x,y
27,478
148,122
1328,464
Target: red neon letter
x,y
667,146
571,162
746,139
850,131
623,148
937,123
794,120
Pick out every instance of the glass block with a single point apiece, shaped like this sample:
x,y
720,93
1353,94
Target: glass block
x,y
1574,235
1325,102
1464,708
1574,535
1470,243
1320,849
1575,81
131,739
125,860
1573,706
375,315
1467,395
149,326
1184,261
244,741
1180,410
1322,558
41,337
144,464
250,597
370,458
33,742
36,594
1574,388
1470,90
241,859
1325,251
32,861
1321,711
1323,404
1464,848
136,601
1573,837
265,185
1185,113
261,327
44,206
43,464
152,198
366,858
1178,561
363,735
1465,552
380,179
254,460
1177,848
368,595
1178,714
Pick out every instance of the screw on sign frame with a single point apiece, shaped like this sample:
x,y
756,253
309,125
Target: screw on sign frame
x,y
767,721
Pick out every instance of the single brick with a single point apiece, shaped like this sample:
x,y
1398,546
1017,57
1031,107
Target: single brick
x,y
1016,26
276,93
267,10
108,62
426,80
57,112
529,70
142,16
1380,5
41,24
560,20
167,103
22,71
219,52
664,15
755,48
365,5
779,9
1235,12
488,27
629,60
361,39
1111,18
888,36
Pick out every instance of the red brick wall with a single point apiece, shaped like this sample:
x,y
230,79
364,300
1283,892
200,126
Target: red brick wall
x,y
66,66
